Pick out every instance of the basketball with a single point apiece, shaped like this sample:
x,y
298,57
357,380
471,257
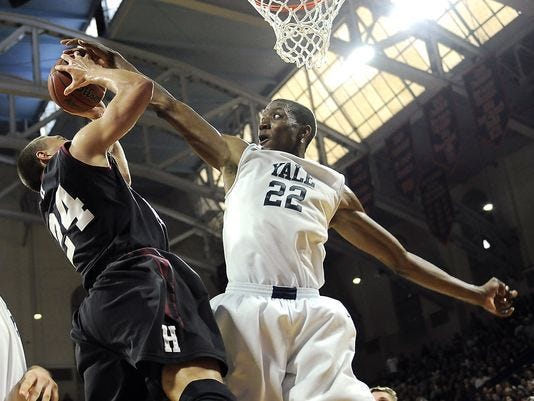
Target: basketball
x,y
79,101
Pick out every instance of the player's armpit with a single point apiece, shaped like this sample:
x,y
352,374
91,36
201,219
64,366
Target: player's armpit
x,y
236,146
349,201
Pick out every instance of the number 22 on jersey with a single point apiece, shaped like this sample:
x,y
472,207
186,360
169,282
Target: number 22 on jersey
x,y
295,196
69,210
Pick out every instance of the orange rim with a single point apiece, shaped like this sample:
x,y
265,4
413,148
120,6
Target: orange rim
x,y
306,6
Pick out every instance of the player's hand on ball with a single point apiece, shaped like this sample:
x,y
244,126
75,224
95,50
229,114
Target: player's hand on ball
x,y
498,298
77,67
99,53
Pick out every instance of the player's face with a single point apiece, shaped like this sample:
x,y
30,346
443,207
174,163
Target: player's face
x,y
278,129
382,396
53,143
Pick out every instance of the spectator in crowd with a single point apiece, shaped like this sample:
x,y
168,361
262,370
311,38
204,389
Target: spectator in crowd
x,y
383,394
16,382
494,361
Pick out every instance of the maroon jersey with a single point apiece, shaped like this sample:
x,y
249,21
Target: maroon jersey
x,y
94,215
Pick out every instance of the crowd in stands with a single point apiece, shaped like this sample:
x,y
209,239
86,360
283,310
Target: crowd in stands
x,y
493,361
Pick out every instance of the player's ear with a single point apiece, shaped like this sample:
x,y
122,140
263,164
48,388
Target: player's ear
x,y
43,156
306,134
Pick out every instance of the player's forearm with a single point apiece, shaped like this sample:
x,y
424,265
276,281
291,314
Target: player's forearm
x,y
205,140
367,235
117,80
428,275
122,63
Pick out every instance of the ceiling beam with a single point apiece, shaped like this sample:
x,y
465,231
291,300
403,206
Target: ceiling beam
x,y
173,181
183,46
12,39
220,12
21,87
525,6
391,66
177,157
223,108
119,18
41,123
182,237
443,35
184,218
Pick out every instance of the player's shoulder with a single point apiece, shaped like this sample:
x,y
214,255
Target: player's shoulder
x,y
235,142
349,200
236,146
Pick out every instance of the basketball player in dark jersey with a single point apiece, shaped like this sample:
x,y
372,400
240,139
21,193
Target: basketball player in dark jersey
x,y
145,330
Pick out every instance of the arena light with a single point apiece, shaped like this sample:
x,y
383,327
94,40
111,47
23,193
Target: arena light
x,y
356,280
405,13
361,55
37,316
488,207
486,244
350,66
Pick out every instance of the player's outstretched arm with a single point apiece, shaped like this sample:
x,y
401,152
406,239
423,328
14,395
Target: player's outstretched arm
x,y
35,383
132,95
220,152
353,224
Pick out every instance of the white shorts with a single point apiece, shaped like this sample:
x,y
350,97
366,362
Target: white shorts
x,y
287,349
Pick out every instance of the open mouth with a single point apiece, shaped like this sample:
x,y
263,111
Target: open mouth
x,y
263,139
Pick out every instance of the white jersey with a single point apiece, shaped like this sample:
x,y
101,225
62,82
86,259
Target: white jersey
x,y
12,360
276,220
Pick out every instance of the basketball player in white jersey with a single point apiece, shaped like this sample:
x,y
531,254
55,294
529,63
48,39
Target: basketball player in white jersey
x,y
284,341
17,383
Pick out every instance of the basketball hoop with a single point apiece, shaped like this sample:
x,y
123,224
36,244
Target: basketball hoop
x,y
302,28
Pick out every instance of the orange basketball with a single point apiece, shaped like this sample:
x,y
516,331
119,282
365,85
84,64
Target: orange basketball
x,y
80,100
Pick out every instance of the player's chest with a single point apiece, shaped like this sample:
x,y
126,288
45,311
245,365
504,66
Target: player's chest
x,y
286,185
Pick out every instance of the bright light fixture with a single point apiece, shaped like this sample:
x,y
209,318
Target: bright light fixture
x,y
350,66
486,244
488,207
356,280
361,55
37,316
405,13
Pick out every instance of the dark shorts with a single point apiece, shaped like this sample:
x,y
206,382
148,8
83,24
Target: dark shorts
x,y
146,310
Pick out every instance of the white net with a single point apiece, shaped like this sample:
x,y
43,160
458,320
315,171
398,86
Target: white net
x,y
302,28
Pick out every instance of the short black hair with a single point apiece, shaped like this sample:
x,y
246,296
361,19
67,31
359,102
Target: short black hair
x,y
303,115
29,167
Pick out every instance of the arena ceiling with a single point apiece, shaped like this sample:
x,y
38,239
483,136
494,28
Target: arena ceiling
x,y
218,57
